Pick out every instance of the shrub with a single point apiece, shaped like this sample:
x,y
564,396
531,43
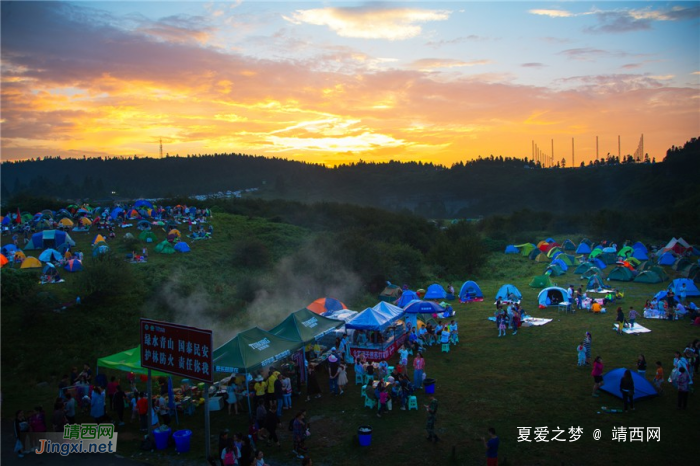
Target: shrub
x,y
252,253
105,275
17,284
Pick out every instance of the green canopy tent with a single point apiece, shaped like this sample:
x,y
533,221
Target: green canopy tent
x,y
165,248
127,361
305,326
525,248
583,268
251,350
130,361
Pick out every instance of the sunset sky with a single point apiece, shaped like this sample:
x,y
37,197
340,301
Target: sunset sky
x,y
333,82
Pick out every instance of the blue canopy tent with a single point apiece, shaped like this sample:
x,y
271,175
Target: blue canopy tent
x,y
470,291
642,387
49,239
406,297
423,307
510,249
509,293
599,263
435,291
379,332
115,213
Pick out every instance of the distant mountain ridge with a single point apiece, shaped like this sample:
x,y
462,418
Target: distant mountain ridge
x,y
480,187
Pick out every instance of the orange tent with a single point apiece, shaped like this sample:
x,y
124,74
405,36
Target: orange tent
x,y
3,260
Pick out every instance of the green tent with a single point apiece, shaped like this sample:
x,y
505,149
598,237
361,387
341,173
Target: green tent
x,y
554,271
581,269
593,271
165,248
608,258
127,361
647,277
658,270
682,264
542,257
305,326
148,236
525,249
595,253
621,274
634,261
567,259
541,281
553,251
625,252
251,350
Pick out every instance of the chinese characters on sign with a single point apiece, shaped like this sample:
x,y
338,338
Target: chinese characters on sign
x,y
177,349
572,434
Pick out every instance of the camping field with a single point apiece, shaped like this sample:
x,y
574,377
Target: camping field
x,y
527,380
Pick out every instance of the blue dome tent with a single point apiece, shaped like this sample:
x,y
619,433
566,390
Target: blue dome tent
x,y
552,296
510,249
583,248
435,291
470,291
509,293
406,297
182,247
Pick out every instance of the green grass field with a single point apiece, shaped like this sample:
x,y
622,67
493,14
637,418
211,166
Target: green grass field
x,y
527,380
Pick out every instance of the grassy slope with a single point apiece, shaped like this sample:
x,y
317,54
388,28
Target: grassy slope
x,y
527,380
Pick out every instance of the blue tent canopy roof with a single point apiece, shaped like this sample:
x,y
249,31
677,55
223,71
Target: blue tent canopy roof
x,y
375,318
690,288
423,307
583,248
642,387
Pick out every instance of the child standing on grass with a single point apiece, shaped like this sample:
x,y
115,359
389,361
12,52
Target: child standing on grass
x,y
581,354
502,325
659,377
632,316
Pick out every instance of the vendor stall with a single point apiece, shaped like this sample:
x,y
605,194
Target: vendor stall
x,y
379,332
252,350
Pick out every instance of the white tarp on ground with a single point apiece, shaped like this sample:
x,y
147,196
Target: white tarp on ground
x,y
637,329
529,321
535,322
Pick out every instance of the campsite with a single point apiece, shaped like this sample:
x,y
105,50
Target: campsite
x,y
529,379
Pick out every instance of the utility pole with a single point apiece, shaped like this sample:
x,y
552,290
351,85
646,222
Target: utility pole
x,y
596,148
161,148
573,159
619,151
552,152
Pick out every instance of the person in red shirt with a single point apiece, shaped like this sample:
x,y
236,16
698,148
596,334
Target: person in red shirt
x,y
142,406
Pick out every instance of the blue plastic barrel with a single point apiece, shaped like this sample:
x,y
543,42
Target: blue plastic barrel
x,y
364,433
429,385
182,440
161,437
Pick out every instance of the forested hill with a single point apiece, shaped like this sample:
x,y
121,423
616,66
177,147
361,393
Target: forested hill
x,y
480,187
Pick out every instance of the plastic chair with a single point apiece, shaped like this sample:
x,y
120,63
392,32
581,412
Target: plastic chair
x,y
370,403
359,379
363,391
445,347
368,378
455,339
412,402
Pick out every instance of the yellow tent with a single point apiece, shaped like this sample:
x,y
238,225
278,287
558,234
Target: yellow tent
x,y
66,222
99,238
85,221
175,232
19,255
31,263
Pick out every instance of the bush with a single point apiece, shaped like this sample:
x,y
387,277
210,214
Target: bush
x,y
252,253
17,284
105,275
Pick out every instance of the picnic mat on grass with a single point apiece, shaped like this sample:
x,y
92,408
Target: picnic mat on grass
x,y
637,329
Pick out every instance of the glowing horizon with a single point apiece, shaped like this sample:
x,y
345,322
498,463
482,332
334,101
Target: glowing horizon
x,y
337,82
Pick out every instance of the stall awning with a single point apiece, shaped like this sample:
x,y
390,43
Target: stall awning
x,y
379,317
305,326
251,350
127,361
